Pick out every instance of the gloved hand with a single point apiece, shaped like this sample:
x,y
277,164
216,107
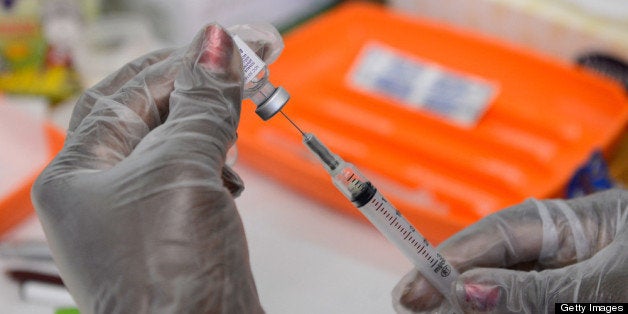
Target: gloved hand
x,y
528,257
138,207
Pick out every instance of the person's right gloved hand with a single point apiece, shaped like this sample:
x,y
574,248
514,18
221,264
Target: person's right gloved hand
x,y
527,257
138,206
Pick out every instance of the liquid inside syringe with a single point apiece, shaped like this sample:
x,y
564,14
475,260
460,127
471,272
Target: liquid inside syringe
x,y
384,216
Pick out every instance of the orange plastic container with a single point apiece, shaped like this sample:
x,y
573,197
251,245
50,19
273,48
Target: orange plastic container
x,y
541,119
17,205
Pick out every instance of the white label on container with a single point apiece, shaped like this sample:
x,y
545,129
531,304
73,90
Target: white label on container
x,y
251,63
459,98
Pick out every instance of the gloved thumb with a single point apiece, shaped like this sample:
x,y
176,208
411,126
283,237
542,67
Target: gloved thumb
x,y
209,81
511,291
495,290
204,107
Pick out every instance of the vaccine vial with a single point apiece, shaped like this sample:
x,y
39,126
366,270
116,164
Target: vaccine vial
x,y
267,98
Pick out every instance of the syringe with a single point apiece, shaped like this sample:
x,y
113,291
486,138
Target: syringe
x,y
353,185
383,215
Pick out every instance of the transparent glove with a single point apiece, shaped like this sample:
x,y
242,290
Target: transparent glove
x,y
528,257
138,207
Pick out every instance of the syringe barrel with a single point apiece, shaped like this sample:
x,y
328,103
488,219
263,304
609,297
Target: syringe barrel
x,y
385,217
391,223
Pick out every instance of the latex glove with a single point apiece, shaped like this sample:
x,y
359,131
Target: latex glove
x,y
138,207
528,257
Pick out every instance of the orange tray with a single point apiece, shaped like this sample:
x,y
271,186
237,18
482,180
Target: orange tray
x,y
542,121
17,205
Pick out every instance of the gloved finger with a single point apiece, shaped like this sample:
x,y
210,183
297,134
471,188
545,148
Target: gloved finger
x,y
112,83
208,90
598,279
505,238
232,181
262,38
414,294
204,110
117,123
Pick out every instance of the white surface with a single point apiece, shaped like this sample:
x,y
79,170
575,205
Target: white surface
x,y
24,147
305,257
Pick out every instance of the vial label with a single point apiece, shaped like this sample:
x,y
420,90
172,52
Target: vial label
x,y
421,85
252,65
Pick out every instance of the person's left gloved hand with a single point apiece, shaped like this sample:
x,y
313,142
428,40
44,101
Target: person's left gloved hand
x,y
138,206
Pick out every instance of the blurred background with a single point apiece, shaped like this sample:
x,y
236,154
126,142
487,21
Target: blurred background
x,y
530,102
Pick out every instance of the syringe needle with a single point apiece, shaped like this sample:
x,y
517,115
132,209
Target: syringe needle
x,y
292,122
